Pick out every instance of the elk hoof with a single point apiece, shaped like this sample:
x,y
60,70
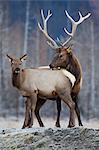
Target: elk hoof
x,y
30,126
80,124
57,125
41,124
23,127
71,125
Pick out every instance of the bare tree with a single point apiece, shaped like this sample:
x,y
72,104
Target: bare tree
x,y
1,54
92,69
26,27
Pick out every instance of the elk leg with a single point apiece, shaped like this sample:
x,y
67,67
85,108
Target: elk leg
x,y
27,113
77,110
78,114
39,104
75,99
66,97
58,101
33,106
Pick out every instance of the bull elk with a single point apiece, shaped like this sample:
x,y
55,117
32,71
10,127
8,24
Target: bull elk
x,y
65,58
43,83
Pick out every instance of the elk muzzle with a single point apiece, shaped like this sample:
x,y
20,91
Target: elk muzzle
x,y
17,71
53,67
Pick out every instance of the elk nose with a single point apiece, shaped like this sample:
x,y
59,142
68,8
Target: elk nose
x,y
17,70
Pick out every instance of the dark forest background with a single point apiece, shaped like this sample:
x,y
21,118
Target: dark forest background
x,y
19,34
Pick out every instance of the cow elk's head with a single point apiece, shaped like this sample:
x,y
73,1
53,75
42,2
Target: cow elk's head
x,y
15,63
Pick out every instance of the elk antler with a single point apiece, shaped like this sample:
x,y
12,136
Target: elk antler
x,y
74,25
50,41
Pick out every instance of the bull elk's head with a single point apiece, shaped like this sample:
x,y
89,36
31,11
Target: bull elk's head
x,y
64,49
15,63
61,59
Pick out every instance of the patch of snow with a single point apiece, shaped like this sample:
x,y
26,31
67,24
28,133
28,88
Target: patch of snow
x,y
12,122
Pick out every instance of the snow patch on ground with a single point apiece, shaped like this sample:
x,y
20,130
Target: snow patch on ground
x,y
12,122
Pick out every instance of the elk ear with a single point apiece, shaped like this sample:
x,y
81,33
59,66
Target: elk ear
x,y
69,50
9,57
23,57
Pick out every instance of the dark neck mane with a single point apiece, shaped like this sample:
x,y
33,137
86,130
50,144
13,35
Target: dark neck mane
x,y
74,67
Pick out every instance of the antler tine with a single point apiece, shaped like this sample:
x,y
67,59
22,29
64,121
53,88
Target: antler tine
x,y
45,19
82,18
74,25
59,41
50,41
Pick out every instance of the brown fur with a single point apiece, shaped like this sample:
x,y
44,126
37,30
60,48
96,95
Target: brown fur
x,y
67,60
75,68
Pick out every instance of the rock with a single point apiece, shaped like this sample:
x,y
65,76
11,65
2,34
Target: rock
x,y
49,139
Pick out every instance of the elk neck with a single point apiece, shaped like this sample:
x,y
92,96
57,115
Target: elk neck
x,y
74,67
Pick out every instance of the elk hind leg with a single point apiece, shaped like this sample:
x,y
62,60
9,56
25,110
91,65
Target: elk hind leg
x,y
39,104
75,99
66,97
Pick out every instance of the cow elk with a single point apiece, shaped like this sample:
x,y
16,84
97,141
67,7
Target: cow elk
x,y
16,81
43,83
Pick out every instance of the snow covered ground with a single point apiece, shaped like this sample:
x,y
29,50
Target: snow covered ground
x,y
12,122
49,139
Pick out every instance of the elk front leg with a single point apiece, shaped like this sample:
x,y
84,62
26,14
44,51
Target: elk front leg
x,y
66,97
58,101
27,112
33,106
